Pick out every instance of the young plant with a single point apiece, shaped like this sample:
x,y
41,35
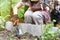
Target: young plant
x,y
2,21
48,33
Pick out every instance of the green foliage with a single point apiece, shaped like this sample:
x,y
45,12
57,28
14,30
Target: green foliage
x,y
21,11
14,2
11,36
5,7
2,21
50,34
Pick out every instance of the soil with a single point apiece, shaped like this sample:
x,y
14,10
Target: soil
x,y
7,35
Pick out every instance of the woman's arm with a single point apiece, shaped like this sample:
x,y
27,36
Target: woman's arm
x,y
17,6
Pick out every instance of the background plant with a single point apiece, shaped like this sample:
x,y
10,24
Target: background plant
x,y
2,21
50,34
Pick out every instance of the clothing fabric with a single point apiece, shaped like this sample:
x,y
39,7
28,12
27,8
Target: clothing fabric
x,y
46,14
35,30
22,28
9,26
36,16
46,17
55,15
